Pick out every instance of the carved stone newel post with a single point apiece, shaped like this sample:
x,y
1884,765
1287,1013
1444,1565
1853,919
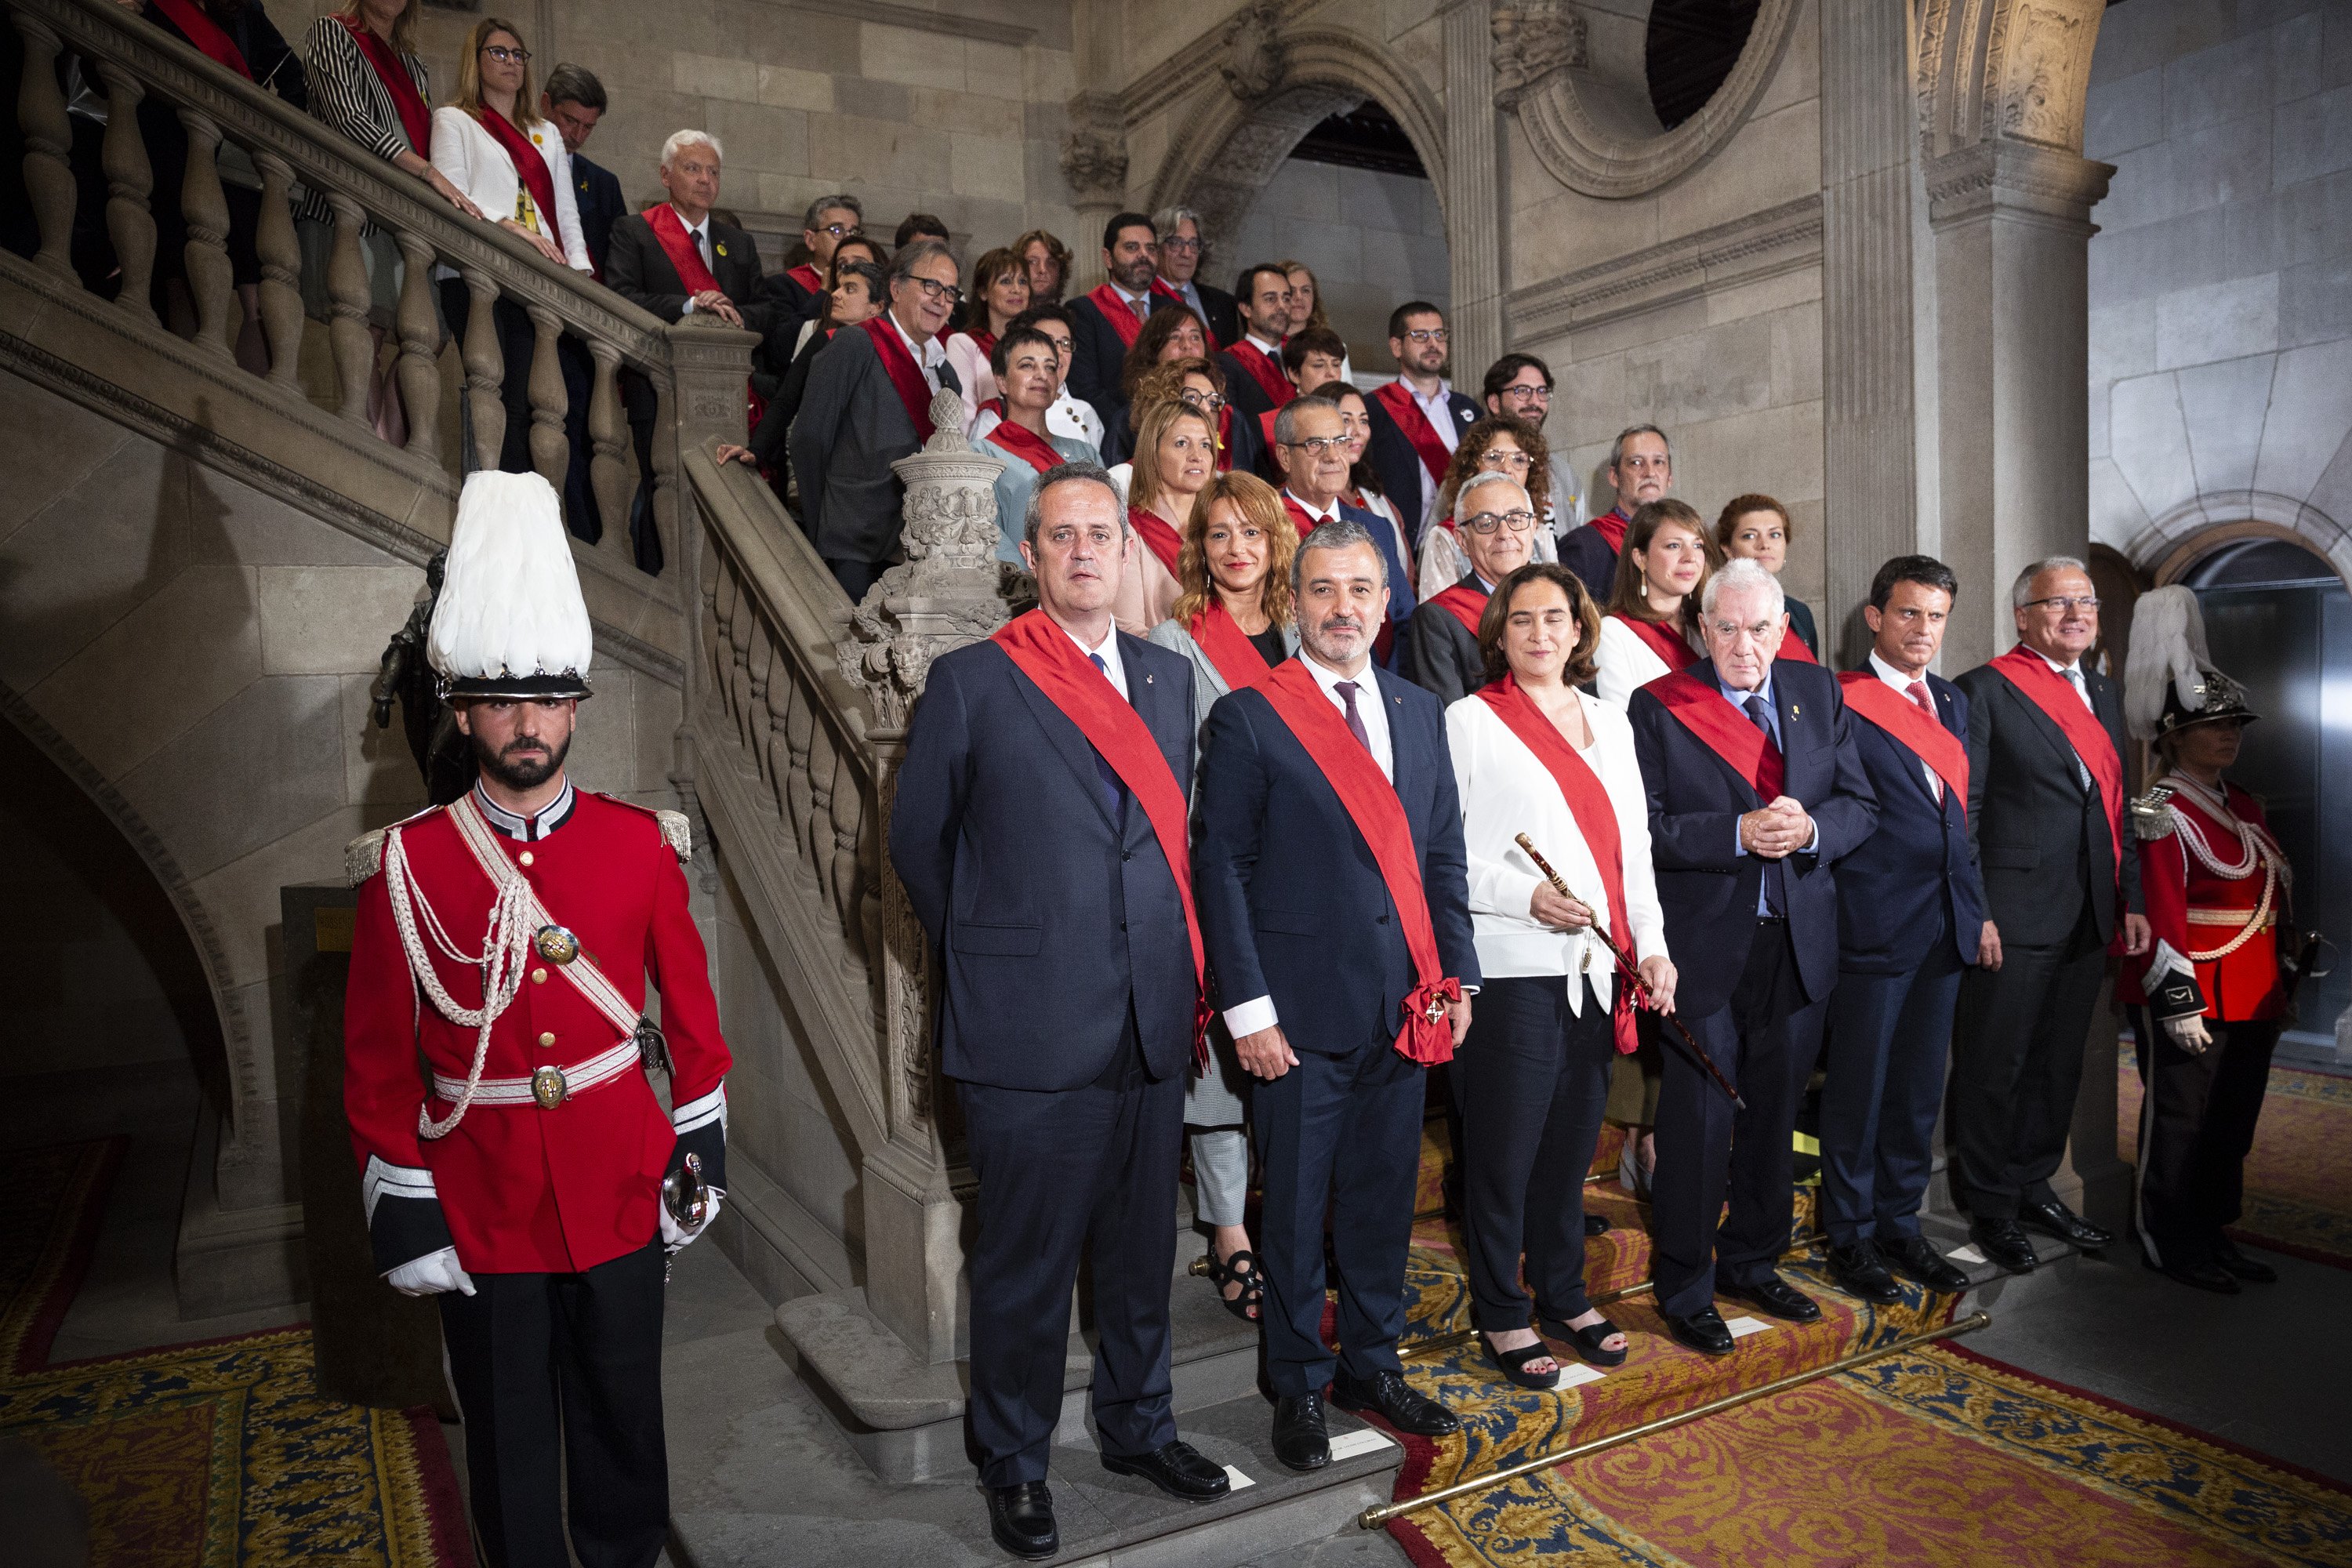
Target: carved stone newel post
x,y
943,596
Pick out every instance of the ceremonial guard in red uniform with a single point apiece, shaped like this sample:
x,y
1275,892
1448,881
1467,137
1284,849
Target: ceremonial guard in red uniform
x,y
515,1158
2217,888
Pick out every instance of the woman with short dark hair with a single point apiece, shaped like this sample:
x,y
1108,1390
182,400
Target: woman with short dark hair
x,y
1756,528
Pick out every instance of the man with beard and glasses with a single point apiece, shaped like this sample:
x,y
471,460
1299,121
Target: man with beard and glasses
x,y
515,1160
1106,321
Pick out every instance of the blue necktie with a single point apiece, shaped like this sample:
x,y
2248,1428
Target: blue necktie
x,y
1114,793
1760,713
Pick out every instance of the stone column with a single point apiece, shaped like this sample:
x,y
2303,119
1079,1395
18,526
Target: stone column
x,y
1093,160
1473,194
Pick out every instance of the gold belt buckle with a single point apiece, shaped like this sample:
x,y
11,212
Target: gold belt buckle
x,y
548,1087
555,945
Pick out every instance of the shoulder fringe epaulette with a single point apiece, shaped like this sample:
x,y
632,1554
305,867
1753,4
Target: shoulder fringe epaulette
x,y
2151,815
363,856
677,832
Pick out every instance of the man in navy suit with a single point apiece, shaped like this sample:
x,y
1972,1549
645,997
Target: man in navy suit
x,y
1318,944
575,100
1910,921
1036,859
1418,418
1756,791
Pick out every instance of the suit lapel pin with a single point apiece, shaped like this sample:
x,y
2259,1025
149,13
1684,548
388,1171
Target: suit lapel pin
x,y
1147,680
1795,709
720,248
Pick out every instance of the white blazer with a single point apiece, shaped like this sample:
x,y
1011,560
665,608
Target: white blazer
x,y
1622,663
1505,790
479,167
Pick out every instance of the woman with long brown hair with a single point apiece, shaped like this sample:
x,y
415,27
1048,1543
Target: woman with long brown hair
x,y
1650,627
1497,444
1000,292
1046,261
1166,337
1232,619
1175,458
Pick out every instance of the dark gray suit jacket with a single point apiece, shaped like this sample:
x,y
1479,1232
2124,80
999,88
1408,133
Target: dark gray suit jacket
x,y
850,430
1442,655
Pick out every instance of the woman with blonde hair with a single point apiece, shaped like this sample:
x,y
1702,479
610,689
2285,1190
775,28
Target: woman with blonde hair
x,y
1233,620
1175,458
1200,384
1306,306
998,292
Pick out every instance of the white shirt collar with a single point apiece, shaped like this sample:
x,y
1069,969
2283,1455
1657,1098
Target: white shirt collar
x,y
1327,515
1266,346
1133,300
1891,676
1370,707
1107,652
2062,668
702,228
1438,399
930,355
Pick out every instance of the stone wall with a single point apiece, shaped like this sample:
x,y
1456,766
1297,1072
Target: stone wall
x,y
1373,239
2221,280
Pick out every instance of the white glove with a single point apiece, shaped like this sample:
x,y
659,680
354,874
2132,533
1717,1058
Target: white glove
x,y
2190,1033
430,1275
675,1236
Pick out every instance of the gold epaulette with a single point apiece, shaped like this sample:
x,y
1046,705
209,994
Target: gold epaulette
x,y
677,833
363,856
2151,814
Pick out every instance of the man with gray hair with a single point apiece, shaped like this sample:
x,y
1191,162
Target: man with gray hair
x,y
1641,470
1756,790
2061,888
867,404
1040,830
829,220
1497,523
1182,248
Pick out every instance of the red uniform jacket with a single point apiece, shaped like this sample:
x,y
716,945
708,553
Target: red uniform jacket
x,y
2244,985
527,1190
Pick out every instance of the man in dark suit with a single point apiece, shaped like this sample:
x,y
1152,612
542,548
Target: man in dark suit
x,y
1310,454
1418,418
2045,812
1257,381
1641,470
1910,921
575,100
1498,525
829,220
1182,248
1104,319
639,269
1333,903
869,405
1756,791
1046,776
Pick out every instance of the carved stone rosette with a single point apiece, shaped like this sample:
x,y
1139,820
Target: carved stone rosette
x,y
1253,43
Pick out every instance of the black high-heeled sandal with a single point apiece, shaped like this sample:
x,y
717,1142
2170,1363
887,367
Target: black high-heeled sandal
x,y
1588,1340
1513,1364
1240,1269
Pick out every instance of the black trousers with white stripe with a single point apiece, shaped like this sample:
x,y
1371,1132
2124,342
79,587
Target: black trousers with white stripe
x,y
2196,1125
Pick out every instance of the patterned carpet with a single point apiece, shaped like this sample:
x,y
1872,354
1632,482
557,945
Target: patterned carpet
x,y
1933,1457
203,1456
2299,1177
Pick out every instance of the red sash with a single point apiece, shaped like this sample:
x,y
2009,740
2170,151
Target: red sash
x,y
1026,444
1043,652
984,340
912,389
1397,399
1723,729
1266,427
1371,803
1925,738
2050,692
1116,310
1239,664
205,34
1611,526
1660,638
391,70
531,168
1596,818
1225,439
1464,602
679,245
1157,532
808,278
1165,290
1264,370
1300,518
1793,649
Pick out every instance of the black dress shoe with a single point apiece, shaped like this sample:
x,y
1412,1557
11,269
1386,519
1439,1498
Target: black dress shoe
x,y
1775,1297
1704,1332
1176,1469
1302,1438
2054,1218
2252,1269
1388,1396
2207,1276
1021,1517
1916,1257
2004,1245
1858,1271
1594,1224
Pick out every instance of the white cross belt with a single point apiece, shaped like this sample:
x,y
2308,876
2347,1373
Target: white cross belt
x,y
550,1086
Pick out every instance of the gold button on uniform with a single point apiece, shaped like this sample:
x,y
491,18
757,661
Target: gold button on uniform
x,y
539,977
547,1039
524,856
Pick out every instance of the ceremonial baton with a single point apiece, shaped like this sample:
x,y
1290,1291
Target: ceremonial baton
x,y
1633,975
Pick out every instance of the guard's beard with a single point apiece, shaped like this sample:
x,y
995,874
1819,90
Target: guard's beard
x,y
526,762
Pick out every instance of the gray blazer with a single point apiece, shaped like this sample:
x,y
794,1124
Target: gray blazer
x,y
1207,684
851,428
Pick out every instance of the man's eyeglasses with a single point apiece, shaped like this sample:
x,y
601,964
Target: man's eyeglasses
x,y
1316,446
2066,602
843,230
507,57
1486,522
936,291
1429,335
1181,246
1527,394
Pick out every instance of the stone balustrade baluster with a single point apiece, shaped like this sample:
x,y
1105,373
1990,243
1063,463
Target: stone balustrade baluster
x,y
129,180
347,329
550,452
816,832
848,800
48,143
486,367
609,474
665,500
281,270
784,697
765,662
212,283
801,796
418,323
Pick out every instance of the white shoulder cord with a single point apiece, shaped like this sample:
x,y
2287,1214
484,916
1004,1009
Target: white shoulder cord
x,y
505,951
2258,847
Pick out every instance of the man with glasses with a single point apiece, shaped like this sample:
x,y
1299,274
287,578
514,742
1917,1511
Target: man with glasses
x,y
1521,386
1418,418
1182,248
1641,470
1104,324
1497,523
1756,791
828,221
1310,450
869,404
2046,820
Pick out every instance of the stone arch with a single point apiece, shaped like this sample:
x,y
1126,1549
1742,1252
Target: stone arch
x,y
1226,147
2167,548
2013,70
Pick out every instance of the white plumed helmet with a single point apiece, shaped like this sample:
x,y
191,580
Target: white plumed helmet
x,y
510,621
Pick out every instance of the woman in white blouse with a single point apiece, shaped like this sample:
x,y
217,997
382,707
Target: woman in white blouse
x,y
1532,755
490,144
1650,626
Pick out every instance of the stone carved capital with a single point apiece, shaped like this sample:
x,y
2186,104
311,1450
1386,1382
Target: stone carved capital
x,y
1253,45
1533,38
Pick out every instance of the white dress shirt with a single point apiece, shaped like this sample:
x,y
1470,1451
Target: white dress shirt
x,y
699,234
1507,790
1107,651
1438,410
929,354
1902,684
1330,512
1257,1013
